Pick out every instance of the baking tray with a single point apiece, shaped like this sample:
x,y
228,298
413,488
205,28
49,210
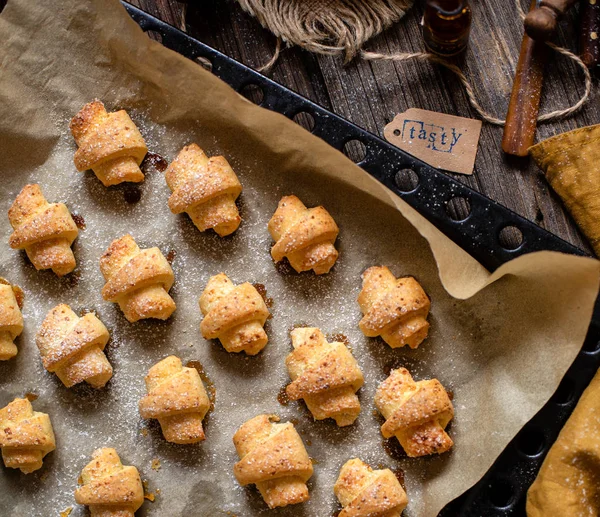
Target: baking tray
x,y
502,490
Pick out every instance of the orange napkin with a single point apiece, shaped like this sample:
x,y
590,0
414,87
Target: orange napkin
x,y
568,484
571,162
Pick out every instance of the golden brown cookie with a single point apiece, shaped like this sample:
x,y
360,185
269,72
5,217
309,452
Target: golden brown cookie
x,y
26,436
364,492
110,489
235,314
395,309
109,143
206,188
11,320
304,235
177,398
44,230
273,457
416,413
138,280
73,347
325,375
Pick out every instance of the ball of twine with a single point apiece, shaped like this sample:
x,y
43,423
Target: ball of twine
x,y
326,26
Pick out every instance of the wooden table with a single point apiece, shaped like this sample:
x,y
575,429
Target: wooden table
x,y
371,93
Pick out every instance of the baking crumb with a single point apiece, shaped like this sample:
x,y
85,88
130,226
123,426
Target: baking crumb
x,y
66,512
147,494
155,464
144,432
79,220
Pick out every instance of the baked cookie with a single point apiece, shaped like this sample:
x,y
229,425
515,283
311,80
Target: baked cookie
x,y
11,319
26,436
109,143
395,309
416,413
44,230
206,188
235,314
109,488
304,235
177,398
273,457
364,492
138,280
73,347
325,375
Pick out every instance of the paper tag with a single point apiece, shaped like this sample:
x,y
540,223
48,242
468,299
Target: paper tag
x,y
443,141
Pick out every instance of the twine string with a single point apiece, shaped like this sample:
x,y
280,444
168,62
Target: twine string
x,y
269,64
356,47
426,56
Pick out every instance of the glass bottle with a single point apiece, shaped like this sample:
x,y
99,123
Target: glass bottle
x,y
446,26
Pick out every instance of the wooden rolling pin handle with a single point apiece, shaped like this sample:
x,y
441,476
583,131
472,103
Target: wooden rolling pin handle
x,y
541,22
521,118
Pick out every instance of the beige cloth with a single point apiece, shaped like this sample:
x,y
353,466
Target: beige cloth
x,y
571,162
568,484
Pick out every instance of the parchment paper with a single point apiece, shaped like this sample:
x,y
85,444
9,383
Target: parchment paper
x,y
501,343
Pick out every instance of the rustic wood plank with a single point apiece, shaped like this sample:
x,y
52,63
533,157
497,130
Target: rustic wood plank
x,y
371,93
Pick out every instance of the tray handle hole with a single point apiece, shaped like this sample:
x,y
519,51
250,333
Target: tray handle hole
x,y
204,62
458,208
155,35
565,393
591,345
254,93
501,493
407,180
531,441
355,150
305,119
510,238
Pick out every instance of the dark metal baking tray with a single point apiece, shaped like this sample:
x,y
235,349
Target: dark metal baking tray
x,y
502,491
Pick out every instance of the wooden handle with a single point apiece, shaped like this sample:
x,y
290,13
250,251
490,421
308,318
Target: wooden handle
x,y
521,119
589,38
541,22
